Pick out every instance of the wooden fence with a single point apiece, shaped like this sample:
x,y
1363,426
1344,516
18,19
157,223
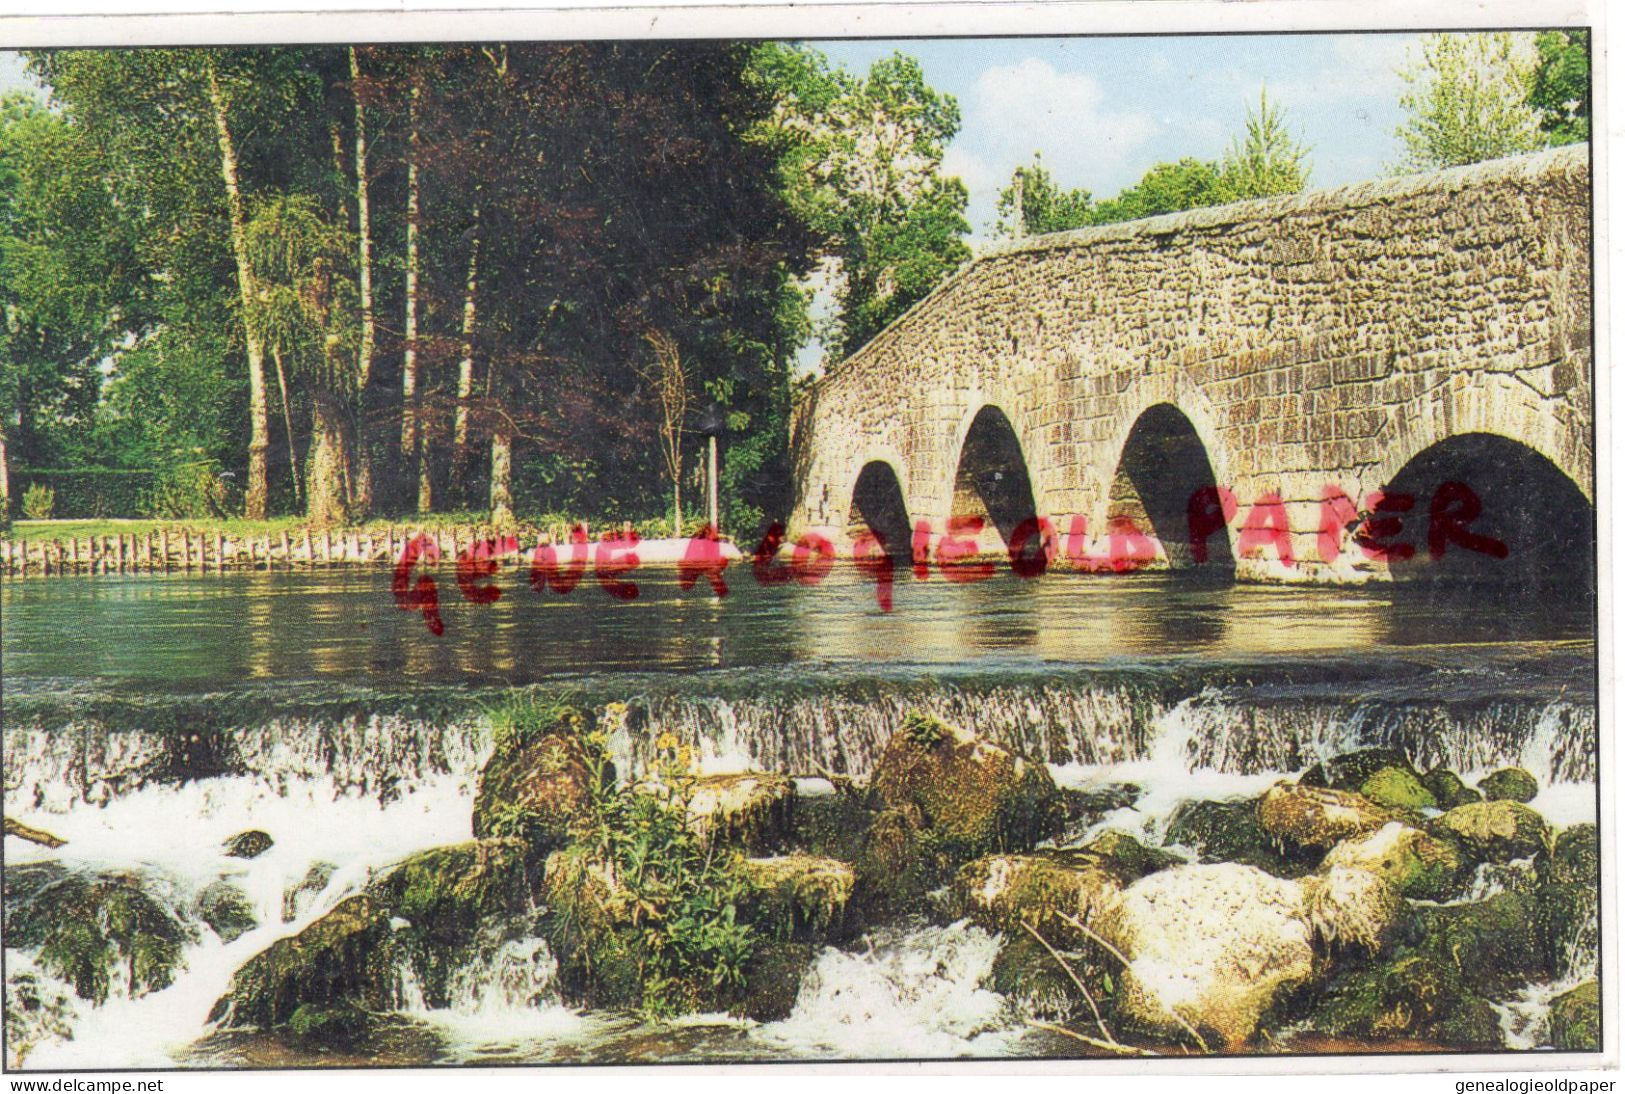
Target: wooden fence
x,y
167,550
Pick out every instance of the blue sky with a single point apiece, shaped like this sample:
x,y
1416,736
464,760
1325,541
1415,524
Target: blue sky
x,y
1103,110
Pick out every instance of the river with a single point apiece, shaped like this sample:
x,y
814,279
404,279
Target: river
x,y
147,718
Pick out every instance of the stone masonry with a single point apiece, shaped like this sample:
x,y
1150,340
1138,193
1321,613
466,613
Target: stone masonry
x,y
1313,340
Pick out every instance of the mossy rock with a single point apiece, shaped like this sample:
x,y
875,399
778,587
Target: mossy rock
x,y
98,932
1351,769
1510,784
1576,856
1228,831
539,791
1496,831
894,868
800,896
250,844
750,810
1447,788
831,824
1567,925
1494,945
973,796
297,897
1398,788
227,910
1030,976
1408,996
1128,856
339,1026
1419,865
1039,889
773,977
1085,806
1317,818
448,893
345,957
1576,1019
587,931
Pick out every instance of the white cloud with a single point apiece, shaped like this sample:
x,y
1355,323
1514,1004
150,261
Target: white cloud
x,y
1016,110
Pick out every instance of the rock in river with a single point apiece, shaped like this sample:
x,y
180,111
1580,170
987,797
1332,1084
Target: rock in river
x,y
973,797
1317,818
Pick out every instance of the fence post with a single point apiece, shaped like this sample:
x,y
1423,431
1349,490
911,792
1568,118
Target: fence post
x,y
287,552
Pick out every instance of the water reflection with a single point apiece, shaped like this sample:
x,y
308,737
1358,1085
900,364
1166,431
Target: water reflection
x,y
345,624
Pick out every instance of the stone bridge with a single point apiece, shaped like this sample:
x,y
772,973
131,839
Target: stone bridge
x,y
1335,362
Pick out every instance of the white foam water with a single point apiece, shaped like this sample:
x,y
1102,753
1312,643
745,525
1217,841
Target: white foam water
x,y
912,992
175,833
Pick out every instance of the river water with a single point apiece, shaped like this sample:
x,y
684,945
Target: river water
x,y
148,718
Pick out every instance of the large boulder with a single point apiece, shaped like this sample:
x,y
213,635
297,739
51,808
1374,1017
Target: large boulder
x,y
800,896
1494,945
1576,856
1351,769
1317,818
1408,996
1510,784
1398,788
1042,888
895,869
104,933
1028,974
973,797
1228,831
1497,831
751,810
1211,948
539,791
422,915
1447,788
1576,1021
1419,865
345,957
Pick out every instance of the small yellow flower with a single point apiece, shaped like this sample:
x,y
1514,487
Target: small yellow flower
x,y
666,742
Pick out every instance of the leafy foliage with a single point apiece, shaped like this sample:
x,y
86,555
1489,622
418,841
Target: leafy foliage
x,y
1561,90
1468,100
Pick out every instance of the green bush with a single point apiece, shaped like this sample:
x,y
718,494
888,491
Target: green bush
x,y
679,902
39,501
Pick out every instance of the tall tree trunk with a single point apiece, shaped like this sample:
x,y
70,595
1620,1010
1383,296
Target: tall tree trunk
x,y
502,476
465,366
287,422
330,487
5,481
369,325
256,499
411,447
677,506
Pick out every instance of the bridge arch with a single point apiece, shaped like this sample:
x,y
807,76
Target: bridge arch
x,y
991,479
879,507
1162,464
1493,514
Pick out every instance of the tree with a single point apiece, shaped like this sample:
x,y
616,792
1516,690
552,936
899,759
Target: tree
x,y
668,379
1166,188
861,162
1033,204
1265,162
307,307
1468,100
1561,89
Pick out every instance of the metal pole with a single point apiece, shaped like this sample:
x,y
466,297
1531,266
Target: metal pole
x,y
711,485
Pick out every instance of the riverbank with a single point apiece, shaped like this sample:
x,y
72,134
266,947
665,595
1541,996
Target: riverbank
x,y
47,548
